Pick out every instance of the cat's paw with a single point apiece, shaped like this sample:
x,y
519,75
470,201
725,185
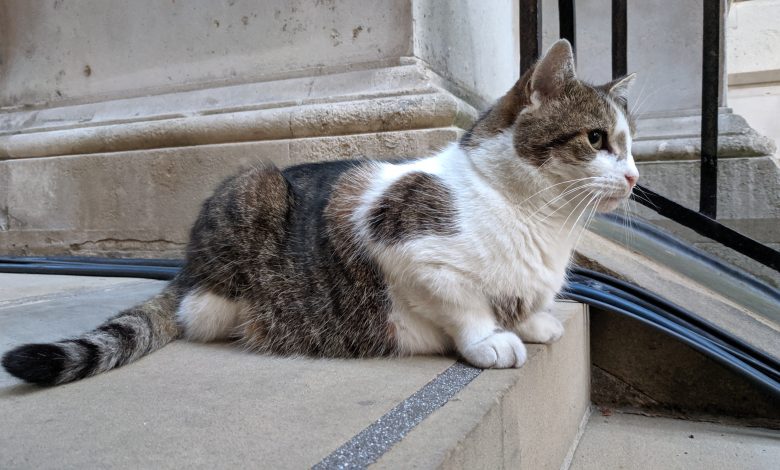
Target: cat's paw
x,y
541,328
499,350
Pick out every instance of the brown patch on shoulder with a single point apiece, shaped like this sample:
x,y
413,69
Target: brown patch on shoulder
x,y
417,204
509,311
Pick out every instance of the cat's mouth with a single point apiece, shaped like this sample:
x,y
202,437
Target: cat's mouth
x,y
610,203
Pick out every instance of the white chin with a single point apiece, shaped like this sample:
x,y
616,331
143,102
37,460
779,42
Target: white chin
x,y
609,204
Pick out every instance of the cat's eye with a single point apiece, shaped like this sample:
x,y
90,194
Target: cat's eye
x,y
597,139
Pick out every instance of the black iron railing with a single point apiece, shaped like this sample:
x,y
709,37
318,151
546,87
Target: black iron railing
x,y
702,222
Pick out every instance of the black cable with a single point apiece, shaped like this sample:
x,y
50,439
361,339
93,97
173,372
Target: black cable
x,y
769,368
596,298
84,269
678,312
89,260
673,243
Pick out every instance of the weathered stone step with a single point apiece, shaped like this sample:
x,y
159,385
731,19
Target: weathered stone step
x,y
215,406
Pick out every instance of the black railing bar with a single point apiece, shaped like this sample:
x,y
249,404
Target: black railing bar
x,y
530,33
567,23
710,94
619,38
708,227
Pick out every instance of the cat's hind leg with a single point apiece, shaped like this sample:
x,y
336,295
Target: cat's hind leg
x,y
205,316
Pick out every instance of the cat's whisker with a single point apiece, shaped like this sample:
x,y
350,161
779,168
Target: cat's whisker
x,y
636,109
643,196
593,196
587,222
574,190
555,185
574,210
629,225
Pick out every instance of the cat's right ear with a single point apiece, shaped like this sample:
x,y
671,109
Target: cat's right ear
x,y
552,72
544,80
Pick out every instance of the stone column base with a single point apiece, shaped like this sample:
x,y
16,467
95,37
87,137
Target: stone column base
x,y
126,178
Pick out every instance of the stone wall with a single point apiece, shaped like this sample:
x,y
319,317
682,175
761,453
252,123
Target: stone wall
x,y
118,118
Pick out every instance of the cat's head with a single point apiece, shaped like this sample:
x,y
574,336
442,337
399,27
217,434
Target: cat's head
x,y
563,132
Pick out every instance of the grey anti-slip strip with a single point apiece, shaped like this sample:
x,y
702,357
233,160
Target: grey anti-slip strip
x,y
371,443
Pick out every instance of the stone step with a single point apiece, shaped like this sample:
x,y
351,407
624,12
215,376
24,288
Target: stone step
x,y
638,442
215,406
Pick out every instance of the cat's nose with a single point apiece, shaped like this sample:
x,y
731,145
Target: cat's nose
x,y
631,178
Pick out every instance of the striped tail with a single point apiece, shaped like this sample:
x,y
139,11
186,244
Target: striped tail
x,y
131,334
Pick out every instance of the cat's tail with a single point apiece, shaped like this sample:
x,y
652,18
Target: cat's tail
x,y
124,338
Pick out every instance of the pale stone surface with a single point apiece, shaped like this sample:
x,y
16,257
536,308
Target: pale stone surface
x,y
754,63
367,116
397,97
16,287
748,191
525,418
475,45
396,78
664,49
639,442
215,406
659,271
678,137
89,50
760,104
753,38
143,203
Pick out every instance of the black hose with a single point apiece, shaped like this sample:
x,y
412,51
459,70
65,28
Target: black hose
x,y
673,243
596,298
679,315
768,369
89,260
85,269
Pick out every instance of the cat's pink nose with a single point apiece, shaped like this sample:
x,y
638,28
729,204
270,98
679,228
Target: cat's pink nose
x,y
631,179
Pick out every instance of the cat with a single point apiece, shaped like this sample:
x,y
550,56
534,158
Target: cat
x,y
460,252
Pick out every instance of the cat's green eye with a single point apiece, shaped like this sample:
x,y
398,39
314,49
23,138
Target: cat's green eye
x,y
597,139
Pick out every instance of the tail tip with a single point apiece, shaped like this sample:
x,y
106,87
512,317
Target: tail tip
x,y
40,364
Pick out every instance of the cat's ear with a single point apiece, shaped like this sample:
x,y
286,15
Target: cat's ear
x,y
553,71
619,87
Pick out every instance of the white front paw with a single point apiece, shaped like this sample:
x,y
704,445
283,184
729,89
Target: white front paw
x,y
541,328
499,350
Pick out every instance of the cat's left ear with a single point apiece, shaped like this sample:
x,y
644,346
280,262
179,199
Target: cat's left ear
x,y
618,88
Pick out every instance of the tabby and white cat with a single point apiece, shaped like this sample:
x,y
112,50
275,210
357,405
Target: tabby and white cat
x,y
462,251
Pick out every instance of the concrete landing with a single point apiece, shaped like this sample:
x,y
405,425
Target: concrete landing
x,y
215,406
639,442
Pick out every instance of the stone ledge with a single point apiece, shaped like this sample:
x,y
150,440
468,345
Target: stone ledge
x,y
367,116
377,100
227,407
678,137
487,425
143,202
